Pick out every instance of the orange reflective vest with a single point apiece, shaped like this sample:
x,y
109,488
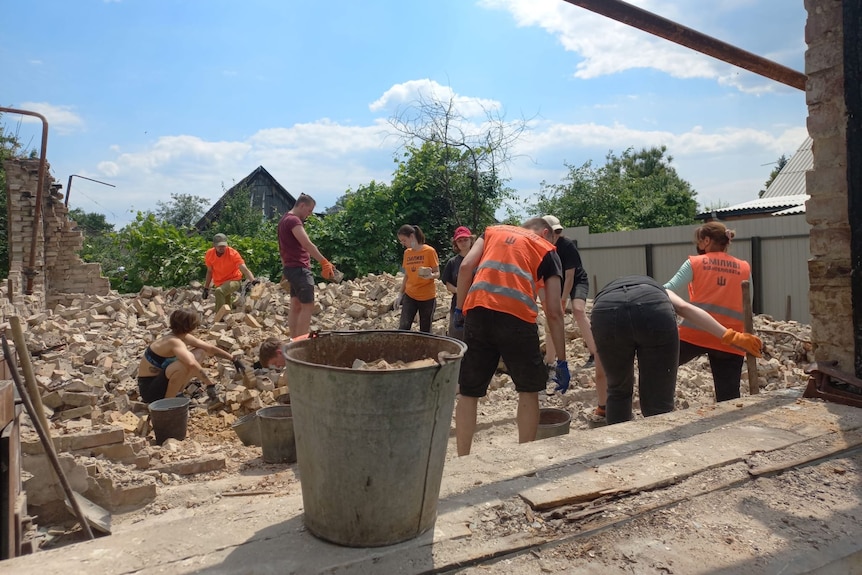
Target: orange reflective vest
x,y
507,276
716,289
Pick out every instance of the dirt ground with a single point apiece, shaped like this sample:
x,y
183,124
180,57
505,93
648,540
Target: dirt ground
x,y
646,545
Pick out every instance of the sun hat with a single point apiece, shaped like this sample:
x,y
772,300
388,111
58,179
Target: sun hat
x,y
219,240
553,222
461,232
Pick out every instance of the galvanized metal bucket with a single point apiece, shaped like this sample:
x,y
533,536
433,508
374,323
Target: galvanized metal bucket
x,y
553,422
371,443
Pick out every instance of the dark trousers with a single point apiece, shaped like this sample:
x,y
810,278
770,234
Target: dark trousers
x,y
726,368
410,306
637,321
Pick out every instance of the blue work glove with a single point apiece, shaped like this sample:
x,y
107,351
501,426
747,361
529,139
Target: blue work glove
x,y
458,318
562,377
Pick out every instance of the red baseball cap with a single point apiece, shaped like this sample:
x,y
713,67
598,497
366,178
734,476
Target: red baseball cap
x,y
461,232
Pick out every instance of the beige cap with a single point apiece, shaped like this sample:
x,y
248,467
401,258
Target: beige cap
x,y
553,222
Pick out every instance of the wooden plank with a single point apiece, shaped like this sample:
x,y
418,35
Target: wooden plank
x,y
666,464
832,445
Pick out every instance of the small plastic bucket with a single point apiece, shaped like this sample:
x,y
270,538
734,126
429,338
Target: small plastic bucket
x,y
553,422
170,418
276,434
247,429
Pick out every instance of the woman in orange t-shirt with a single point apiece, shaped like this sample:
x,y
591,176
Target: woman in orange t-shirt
x,y
418,289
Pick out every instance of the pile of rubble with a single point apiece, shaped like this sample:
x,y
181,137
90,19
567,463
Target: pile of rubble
x,y
85,357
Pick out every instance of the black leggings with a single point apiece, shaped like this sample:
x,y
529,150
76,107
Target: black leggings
x,y
410,306
726,368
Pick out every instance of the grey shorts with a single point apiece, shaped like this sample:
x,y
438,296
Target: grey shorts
x,y
301,283
581,291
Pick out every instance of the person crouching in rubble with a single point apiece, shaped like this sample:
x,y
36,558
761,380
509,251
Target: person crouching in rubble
x,y
168,364
270,355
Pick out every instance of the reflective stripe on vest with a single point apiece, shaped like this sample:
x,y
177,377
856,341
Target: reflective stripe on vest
x,y
505,279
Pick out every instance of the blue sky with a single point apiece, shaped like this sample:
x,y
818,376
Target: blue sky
x,y
189,96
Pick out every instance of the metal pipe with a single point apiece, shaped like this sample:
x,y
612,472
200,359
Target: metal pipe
x,y
669,30
69,185
30,270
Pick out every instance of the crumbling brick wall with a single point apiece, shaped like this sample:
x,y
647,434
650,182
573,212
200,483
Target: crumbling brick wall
x,y
60,273
829,268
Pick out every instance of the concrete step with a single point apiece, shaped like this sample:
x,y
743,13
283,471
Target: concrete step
x,y
694,491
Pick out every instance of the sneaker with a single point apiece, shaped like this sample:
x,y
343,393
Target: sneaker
x,y
591,361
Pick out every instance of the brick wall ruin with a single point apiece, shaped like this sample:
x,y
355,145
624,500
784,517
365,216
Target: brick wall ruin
x,y
829,268
60,273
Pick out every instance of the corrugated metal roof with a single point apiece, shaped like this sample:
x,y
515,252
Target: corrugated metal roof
x,y
790,181
800,209
765,204
786,193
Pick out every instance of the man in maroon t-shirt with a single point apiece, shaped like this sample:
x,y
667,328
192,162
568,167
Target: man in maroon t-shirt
x,y
295,248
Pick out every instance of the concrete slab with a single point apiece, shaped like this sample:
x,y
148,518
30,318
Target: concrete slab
x,y
680,458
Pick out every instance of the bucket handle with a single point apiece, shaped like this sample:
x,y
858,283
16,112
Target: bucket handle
x,y
445,357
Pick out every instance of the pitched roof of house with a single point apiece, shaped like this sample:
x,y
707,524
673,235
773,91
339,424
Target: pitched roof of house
x,y
280,200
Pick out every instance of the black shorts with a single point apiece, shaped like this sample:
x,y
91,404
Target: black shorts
x,y
301,283
153,388
490,335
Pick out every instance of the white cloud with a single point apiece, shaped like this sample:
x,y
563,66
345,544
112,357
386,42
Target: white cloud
x,y
60,118
610,47
324,158
413,91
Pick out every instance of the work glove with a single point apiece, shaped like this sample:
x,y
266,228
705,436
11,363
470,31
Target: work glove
x,y
746,341
328,270
562,377
458,318
206,293
239,365
397,303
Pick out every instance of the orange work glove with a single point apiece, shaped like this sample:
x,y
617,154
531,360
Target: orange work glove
x,y
328,270
749,342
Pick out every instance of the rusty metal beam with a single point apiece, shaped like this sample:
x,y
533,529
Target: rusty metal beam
x,y
679,34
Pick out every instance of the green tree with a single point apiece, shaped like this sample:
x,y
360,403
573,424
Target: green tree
x,y
99,245
239,218
453,163
779,164
359,236
438,188
90,223
636,190
154,252
183,210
